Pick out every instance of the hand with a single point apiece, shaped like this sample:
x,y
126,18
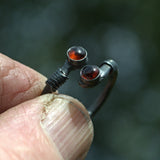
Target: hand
x,y
33,127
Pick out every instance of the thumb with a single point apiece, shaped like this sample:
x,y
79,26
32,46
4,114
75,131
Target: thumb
x,y
49,127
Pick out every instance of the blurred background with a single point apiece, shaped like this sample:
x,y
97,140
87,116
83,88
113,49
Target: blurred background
x,y
38,33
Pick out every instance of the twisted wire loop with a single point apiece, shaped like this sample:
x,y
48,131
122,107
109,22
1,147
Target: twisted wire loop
x,y
56,80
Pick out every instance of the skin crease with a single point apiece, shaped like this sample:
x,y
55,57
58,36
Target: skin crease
x,y
21,114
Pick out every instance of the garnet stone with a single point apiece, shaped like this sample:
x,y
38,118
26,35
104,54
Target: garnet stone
x,y
77,53
90,72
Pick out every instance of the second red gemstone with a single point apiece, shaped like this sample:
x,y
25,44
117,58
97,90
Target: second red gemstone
x,y
90,72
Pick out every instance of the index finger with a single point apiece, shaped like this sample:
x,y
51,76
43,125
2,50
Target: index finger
x,y
18,83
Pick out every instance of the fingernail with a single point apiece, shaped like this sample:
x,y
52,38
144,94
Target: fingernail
x,y
68,124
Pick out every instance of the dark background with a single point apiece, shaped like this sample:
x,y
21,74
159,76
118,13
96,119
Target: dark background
x,y
38,33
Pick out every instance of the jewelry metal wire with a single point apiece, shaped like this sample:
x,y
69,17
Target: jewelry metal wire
x,y
109,71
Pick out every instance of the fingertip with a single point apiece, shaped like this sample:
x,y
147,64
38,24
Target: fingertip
x,y
68,124
48,126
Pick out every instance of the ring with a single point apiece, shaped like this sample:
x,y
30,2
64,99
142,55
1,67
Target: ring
x,y
90,75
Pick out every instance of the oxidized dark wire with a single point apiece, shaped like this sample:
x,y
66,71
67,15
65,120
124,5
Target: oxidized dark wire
x,y
111,75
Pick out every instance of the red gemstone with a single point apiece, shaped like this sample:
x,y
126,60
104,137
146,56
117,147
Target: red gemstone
x,y
90,72
76,53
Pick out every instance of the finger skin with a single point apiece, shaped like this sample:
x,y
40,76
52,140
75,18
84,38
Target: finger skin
x,y
21,134
18,83
35,130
